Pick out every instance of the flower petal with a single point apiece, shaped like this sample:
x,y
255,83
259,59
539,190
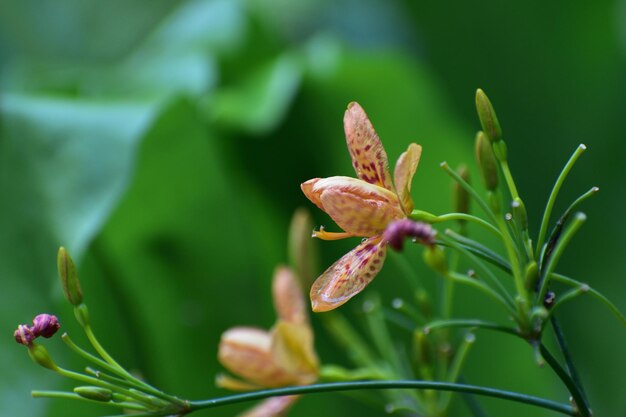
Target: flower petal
x,y
358,215
234,384
246,351
368,155
349,275
308,188
272,407
403,175
288,297
292,348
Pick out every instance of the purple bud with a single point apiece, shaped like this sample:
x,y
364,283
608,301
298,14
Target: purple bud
x,y
24,335
398,230
45,325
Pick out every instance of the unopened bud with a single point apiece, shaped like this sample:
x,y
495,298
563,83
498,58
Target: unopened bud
x,y
436,259
461,197
24,335
398,230
424,216
486,161
39,354
422,348
95,393
519,213
302,250
531,276
45,325
69,277
487,116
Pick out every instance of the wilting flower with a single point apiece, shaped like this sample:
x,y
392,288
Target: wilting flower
x,y
283,356
362,207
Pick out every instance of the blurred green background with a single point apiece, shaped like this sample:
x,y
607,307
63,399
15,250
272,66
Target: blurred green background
x,y
163,143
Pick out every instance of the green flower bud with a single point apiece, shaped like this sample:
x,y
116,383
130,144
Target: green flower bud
x,y
500,150
531,276
461,197
95,393
435,258
302,250
69,277
486,161
422,348
487,116
82,315
519,213
39,354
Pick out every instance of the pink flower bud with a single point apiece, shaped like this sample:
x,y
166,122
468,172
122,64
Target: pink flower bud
x,y
45,325
24,335
398,230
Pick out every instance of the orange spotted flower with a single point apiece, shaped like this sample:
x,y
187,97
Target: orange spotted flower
x,y
283,356
362,207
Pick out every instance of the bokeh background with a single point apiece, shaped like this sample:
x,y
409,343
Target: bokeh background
x,y
163,143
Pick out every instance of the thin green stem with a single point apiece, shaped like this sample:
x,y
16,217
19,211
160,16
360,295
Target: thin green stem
x,y
360,385
463,279
561,244
131,380
486,254
513,258
455,368
444,165
569,361
568,296
607,303
506,171
446,238
472,403
470,323
345,335
468,217
94,381
72,396
552,199
567,380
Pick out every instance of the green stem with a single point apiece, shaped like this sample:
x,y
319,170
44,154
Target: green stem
x,y
469,189
567,380
463,279
483,253
73,396
442,324
349,339
468,217
560,338
455,368
607,303
360,385
509,179
551,200
554,257
493,279
570,295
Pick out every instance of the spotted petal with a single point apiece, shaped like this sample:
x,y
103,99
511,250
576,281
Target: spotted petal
x,y
288,297
368,155
403,175
246,351
272,407
349,275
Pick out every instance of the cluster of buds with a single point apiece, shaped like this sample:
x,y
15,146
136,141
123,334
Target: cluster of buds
x,y
45,325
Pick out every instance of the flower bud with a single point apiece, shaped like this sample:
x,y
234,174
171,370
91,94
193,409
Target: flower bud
x,y
436,259
94,393
424,216
302,250
39,354
519,213
422,348
45,325
487,116
486,161
461,197
69,277
532,276
398,230
24,335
